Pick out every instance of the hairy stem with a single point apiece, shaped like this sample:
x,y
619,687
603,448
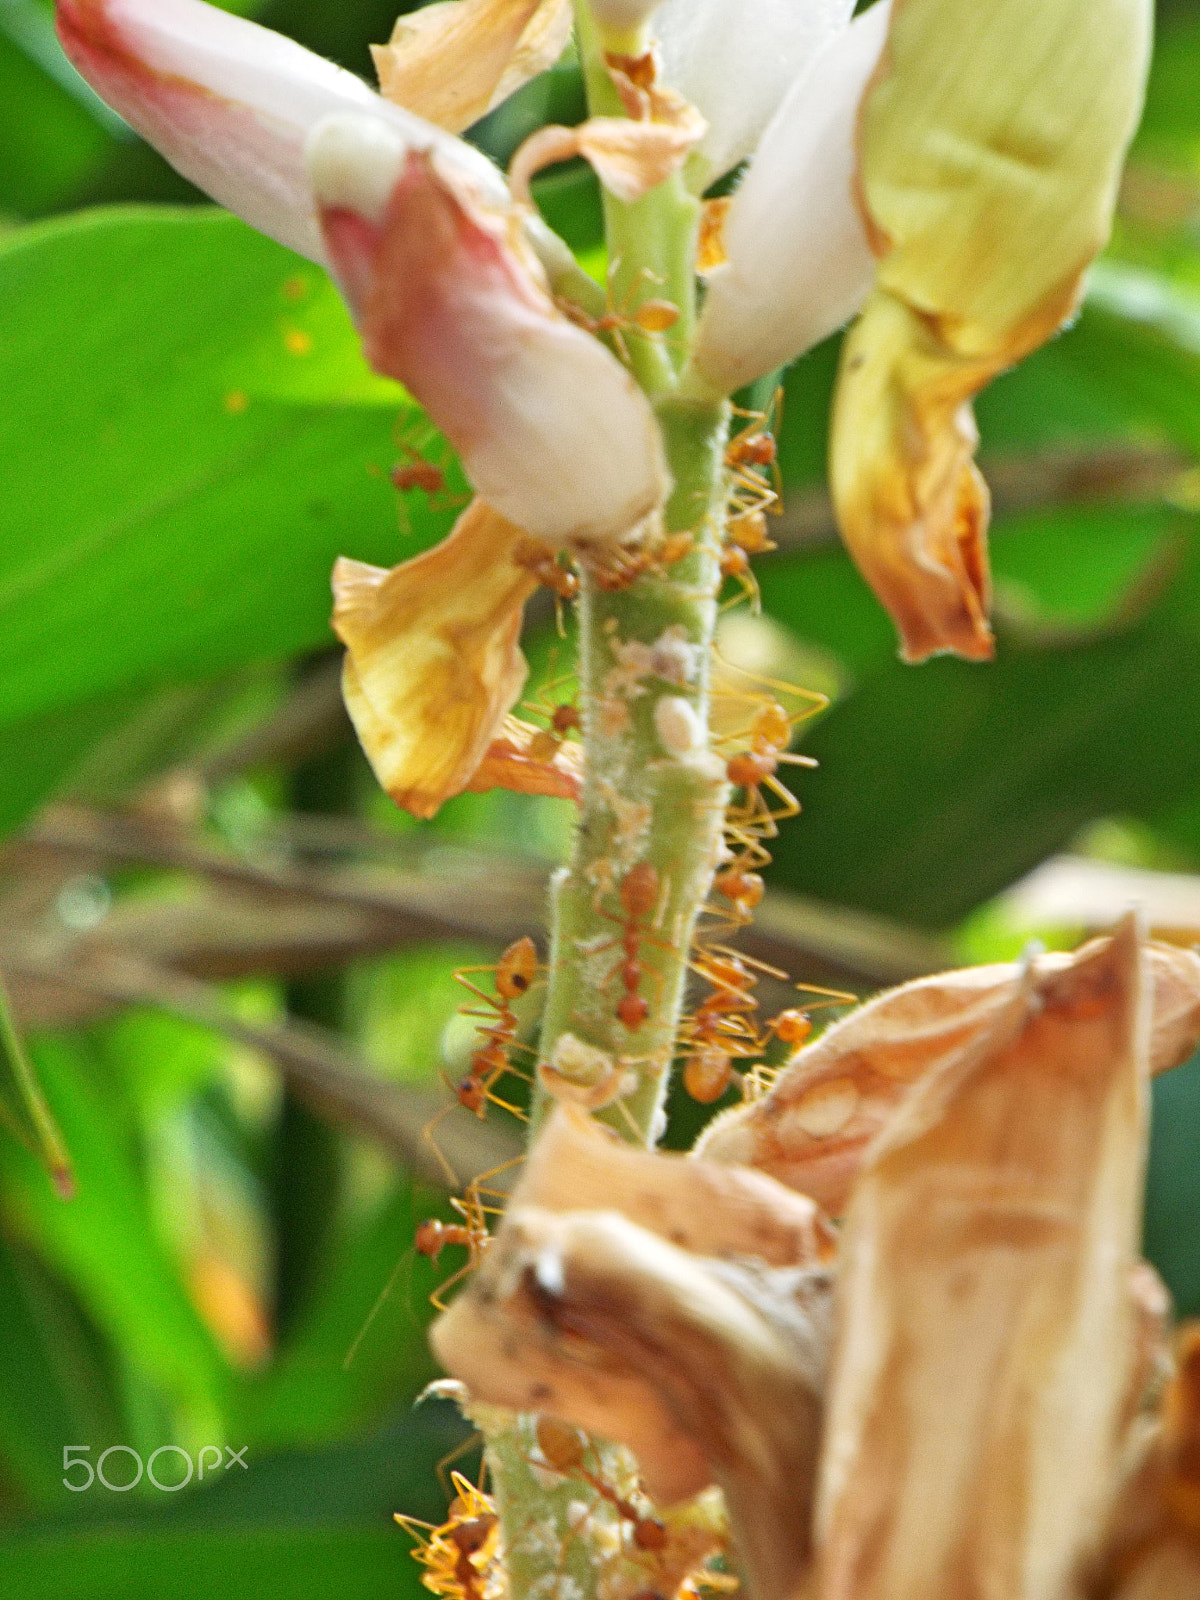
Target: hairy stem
x,y
654,800
654,793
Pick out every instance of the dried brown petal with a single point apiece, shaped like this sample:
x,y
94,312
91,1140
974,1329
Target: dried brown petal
x,y
733,1355
629,158
622,1323
453,62
1151,1549
577,1164
813,1129
510,763
984,1311
433,664
1170,1571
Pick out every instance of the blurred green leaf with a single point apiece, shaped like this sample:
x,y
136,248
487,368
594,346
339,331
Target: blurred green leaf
x,y
939,786
192,439
310,1392
105,1246
270,1564
1169,130
1173,1186
55,1381
49,141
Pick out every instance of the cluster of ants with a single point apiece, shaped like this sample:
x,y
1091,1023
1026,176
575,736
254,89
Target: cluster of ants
x,y
723,1030
461,1557
722,1043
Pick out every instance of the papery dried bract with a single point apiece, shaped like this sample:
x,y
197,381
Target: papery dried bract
x,y
622,1324
985,1332
630,158
551,429
433,664
454,61
990,149
231,104
1151,1549
814,1127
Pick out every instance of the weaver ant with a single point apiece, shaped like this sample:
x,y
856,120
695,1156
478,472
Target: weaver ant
x,y
720,1029
652,316
638,893
756,769
433,1236
515,973
564,1448
622,567
564,717
459,1557
542,563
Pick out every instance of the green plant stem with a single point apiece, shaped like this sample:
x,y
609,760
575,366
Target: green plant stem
x,y
642,801
654,795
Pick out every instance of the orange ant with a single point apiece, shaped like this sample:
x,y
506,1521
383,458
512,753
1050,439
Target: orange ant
x,y
460,1556
564,717
746,536
754,448
652,316
756,769
417,473
623,567
720,1029
515,972
564,1448
514,976
433,1236
541,562
638,893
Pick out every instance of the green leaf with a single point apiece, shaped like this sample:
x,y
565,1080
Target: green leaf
x,y
49,141
192,438
270,1564
55,1381
105,1246
373,1307
939,786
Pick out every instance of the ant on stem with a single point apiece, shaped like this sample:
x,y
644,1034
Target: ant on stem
x,y
638,892
515,973
564,1449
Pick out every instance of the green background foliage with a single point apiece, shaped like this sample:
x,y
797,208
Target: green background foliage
x,y
189,439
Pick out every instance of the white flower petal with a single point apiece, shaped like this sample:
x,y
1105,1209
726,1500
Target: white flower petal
x,y
551,429
230,104
735,60
798,263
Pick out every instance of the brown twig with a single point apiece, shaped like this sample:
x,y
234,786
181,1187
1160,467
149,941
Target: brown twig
x,y
314,1061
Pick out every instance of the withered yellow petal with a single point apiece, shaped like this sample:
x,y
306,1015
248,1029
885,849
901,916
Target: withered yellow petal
x,y
986,1330
433,665
453,62
990,146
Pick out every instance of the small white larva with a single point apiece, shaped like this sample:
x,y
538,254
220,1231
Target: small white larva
x,y
679,729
